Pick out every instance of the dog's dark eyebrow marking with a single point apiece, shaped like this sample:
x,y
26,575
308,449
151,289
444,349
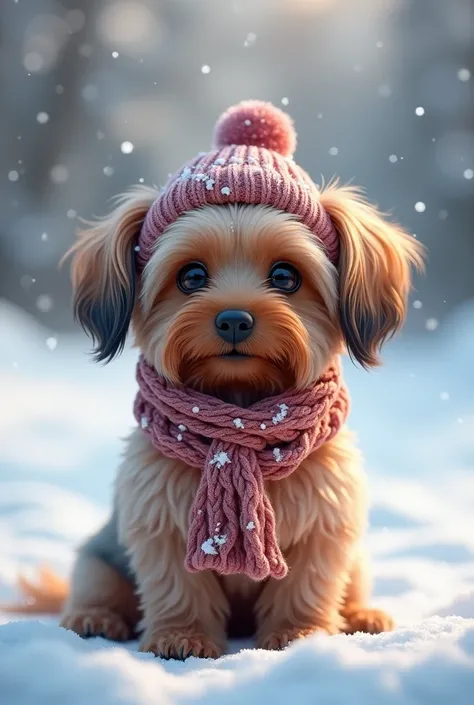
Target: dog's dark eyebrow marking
x,y
106,320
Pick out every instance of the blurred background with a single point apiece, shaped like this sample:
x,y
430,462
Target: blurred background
x,y
99,95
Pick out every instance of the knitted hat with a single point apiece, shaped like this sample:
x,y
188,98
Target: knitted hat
x,y
251,162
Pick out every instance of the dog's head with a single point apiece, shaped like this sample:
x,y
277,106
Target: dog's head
x,y
241,301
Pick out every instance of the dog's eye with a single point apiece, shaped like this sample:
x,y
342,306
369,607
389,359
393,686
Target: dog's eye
x,y
285,277
192,277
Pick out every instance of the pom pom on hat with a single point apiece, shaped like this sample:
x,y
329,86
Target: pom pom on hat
x,y
254,122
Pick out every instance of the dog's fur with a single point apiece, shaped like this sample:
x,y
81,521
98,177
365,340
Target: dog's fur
x,y
321,508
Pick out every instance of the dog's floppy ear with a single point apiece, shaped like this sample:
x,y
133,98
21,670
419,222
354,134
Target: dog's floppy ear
x,y
103,272
374,271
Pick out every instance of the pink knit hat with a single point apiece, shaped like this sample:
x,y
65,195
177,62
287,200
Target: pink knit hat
x,y
251,162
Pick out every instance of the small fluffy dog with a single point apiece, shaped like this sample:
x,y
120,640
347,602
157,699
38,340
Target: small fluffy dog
x,y
242,283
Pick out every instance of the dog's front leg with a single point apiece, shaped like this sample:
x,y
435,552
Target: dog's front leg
x,y
309,598
321,514
184,614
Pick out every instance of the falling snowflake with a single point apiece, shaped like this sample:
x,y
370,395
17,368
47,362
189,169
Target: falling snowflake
x,y
444,396
42,118
263,426
393,158
205,69
419,111
195,410
13,175
59,174
115,54
44,303
468,173
126,147
220,459
247,122
417,304
282,414
108,170
250,39
51,343
334,151
71,214
464,75
285,101
420,207
432,324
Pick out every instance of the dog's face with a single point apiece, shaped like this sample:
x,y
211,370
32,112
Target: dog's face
x,y
238,301
241,301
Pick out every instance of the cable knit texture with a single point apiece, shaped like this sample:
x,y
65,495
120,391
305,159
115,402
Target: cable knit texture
x,y
251,162
232,523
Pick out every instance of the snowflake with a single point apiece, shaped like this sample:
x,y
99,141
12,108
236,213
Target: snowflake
x,y
186,174
250,526
210,184
219,162
208,548
182,427
236,160
238,423
220,540
277,454
127,147
282,414
225,190
263,426
179,437
220,459
144,422
195,410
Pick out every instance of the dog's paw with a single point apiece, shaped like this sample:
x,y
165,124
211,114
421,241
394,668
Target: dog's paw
x,y
95,622
280,639
370,621
180,645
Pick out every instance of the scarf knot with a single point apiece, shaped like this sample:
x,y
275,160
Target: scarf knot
x,y
232,523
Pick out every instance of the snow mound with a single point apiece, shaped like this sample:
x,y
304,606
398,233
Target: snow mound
x,y
428,664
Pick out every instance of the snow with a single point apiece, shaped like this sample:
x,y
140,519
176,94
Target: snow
x,y
278,455
220,459
238,423
208,547
281,415
60,444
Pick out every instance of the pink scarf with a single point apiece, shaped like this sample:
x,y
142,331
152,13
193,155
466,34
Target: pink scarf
x,y
232,523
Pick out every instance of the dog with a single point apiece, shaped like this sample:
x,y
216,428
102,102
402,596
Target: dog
x,y
238,300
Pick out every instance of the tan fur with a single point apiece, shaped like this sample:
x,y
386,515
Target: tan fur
x,y
376,258
320,509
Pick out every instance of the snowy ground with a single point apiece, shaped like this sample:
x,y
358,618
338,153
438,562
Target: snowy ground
x,y
61,418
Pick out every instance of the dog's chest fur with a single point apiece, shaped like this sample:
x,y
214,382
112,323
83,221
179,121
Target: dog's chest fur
x,y
154,494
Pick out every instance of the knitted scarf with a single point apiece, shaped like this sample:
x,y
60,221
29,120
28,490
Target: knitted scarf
x,y
232,523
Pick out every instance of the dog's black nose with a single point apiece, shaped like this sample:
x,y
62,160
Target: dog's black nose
x,y
234,326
